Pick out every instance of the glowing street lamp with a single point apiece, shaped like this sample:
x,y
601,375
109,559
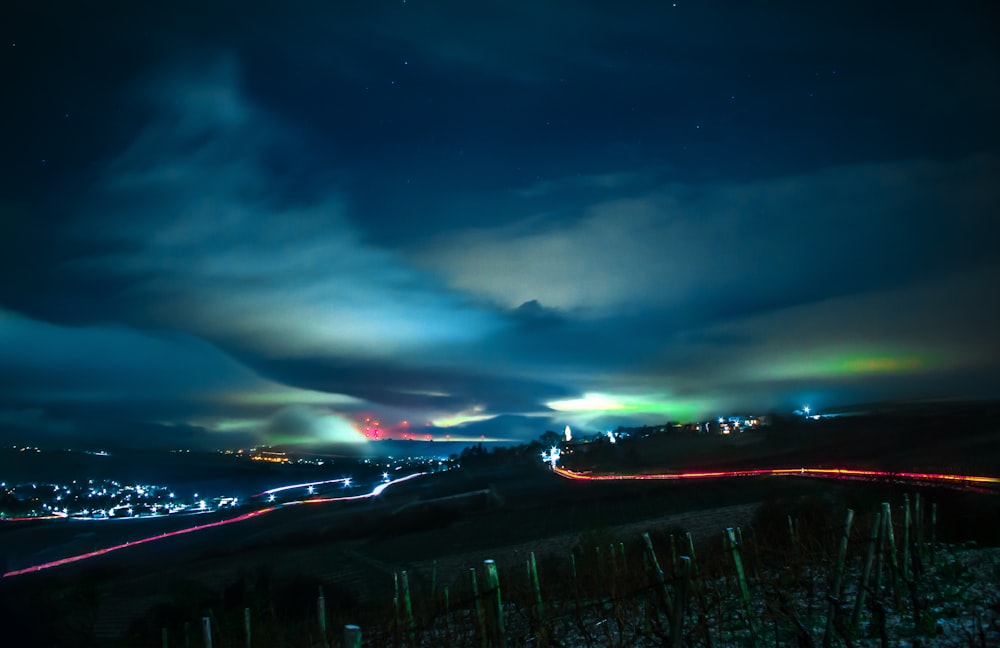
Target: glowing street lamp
x,y
552,456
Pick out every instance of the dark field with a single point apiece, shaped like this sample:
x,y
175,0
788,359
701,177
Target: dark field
x,y
511,507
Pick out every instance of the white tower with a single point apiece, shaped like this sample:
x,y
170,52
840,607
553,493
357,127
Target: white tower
x,y
569,434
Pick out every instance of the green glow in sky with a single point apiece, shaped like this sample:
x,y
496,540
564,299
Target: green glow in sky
x,y
855,363
597,404
459,419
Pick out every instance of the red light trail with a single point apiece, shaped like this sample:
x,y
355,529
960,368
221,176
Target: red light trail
x,y
200,527
133,543
828,473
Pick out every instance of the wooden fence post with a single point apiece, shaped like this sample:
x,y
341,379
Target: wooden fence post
x,y
891,548
321,615
206,631
934,533
741,578
533,572
680,602
480,620
859,603
838,576
699,590
404,583
447,612
434,580
352,636
496,603
661,582
907,522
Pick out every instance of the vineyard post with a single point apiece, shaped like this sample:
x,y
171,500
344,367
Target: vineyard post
x,y
395,599
321,615
533,570
352,636
576,586
879,560
680,603
741,579
206,631
163,637
658,574
891,548
859,603
906,538
614,567
699,590
447,612
480,620
434,580
407,604
187,634
246,625
934,533
918,532
496,607
838,576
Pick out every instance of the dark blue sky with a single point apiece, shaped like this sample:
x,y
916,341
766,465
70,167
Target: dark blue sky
x,y
222,223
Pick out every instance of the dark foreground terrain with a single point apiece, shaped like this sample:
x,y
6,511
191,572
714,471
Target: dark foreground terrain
x,y
593,565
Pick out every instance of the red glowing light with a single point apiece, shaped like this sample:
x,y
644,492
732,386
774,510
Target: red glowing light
x,y
133,543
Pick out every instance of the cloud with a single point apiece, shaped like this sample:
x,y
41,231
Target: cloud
x,y
218,246
111,363
721,248
306,425
59,382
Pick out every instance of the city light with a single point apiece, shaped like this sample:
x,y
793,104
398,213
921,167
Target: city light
x,y
375,492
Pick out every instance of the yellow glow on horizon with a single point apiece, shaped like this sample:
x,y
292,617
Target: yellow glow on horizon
x,y
459,419
836,363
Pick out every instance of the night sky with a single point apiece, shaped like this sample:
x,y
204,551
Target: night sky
x,y
223,224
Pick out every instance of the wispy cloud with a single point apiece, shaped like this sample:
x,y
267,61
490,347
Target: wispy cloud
x,y
775,242
218,249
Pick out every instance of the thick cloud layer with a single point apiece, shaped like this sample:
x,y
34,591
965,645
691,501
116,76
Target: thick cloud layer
x,y
488,220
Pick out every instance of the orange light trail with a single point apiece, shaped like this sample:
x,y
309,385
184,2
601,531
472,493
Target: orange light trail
x,y
829,473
